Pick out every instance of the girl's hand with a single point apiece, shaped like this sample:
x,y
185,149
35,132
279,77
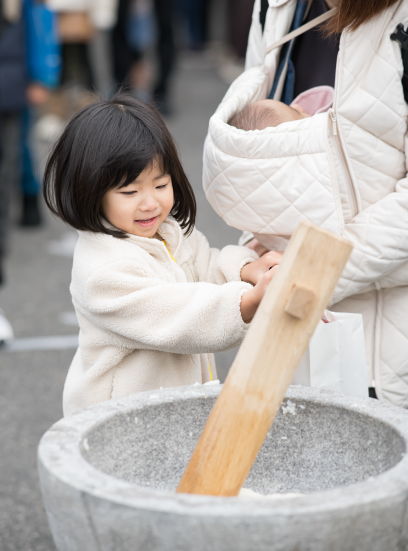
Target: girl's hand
x,y
253,272
252,299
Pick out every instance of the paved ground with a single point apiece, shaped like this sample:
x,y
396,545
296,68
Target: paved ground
x,y
36,299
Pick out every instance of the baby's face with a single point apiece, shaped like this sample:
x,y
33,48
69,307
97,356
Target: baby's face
x,y
286,113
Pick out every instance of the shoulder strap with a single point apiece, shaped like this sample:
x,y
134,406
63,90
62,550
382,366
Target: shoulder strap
x,y
306,27
264,8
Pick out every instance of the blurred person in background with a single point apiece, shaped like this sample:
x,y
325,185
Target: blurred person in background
x,y
140,24
44,68
13,83
239,22
76,31
124,55
166,53
196,13
27,70
133,34
85,29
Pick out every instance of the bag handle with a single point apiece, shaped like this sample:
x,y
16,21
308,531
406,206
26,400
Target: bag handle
x,y
306,27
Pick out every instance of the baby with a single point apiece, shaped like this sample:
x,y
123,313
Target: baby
x,y
266,112
269,112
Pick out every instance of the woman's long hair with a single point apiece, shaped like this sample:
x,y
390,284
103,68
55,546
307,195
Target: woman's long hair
x,y
353,13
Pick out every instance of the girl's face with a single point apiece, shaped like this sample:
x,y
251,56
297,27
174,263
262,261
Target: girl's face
x,y
143,205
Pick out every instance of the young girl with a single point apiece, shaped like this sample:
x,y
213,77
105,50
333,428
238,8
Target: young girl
x,y
153,300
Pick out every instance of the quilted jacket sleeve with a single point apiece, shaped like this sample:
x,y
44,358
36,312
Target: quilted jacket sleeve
x,y
380,237
154,314
218,266
256,49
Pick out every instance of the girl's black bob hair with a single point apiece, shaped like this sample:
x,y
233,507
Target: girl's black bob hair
x,y
107,145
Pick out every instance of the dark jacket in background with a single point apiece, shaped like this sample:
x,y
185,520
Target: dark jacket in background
x,y
13,67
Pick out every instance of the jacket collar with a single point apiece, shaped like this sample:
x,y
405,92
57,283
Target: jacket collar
x,y
169,230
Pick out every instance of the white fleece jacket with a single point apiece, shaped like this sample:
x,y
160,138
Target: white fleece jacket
x,y
145,319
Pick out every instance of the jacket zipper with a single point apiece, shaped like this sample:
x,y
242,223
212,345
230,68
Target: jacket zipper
x,y
340,151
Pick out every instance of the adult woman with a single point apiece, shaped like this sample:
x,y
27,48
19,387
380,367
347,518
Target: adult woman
x,y
369,142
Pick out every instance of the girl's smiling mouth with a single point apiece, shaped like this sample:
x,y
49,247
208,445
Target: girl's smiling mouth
x,y
146,223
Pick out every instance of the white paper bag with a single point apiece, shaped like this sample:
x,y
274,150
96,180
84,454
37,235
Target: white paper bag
x,y
335,358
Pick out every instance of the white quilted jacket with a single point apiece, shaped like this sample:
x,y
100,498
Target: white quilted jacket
x,y
344,170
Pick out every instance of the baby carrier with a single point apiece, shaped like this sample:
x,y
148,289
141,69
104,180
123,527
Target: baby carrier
x,y
267,181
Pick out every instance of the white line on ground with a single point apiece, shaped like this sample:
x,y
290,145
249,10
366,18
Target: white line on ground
x,y
41,343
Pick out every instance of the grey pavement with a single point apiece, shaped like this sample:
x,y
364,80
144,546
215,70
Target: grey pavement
x,y
36,299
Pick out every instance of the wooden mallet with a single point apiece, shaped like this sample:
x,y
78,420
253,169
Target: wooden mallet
x,y
266,362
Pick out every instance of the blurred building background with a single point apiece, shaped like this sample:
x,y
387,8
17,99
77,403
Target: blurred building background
x,y
56,57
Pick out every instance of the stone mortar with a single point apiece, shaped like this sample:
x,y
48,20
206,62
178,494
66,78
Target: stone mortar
x,y
109,473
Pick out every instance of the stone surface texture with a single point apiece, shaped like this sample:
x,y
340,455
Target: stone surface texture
x,y
109,474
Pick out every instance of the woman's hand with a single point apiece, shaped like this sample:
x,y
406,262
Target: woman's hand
x,y
253,272
252,298
257,247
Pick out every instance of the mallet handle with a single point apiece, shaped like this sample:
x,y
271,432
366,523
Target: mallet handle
x,y
266,362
